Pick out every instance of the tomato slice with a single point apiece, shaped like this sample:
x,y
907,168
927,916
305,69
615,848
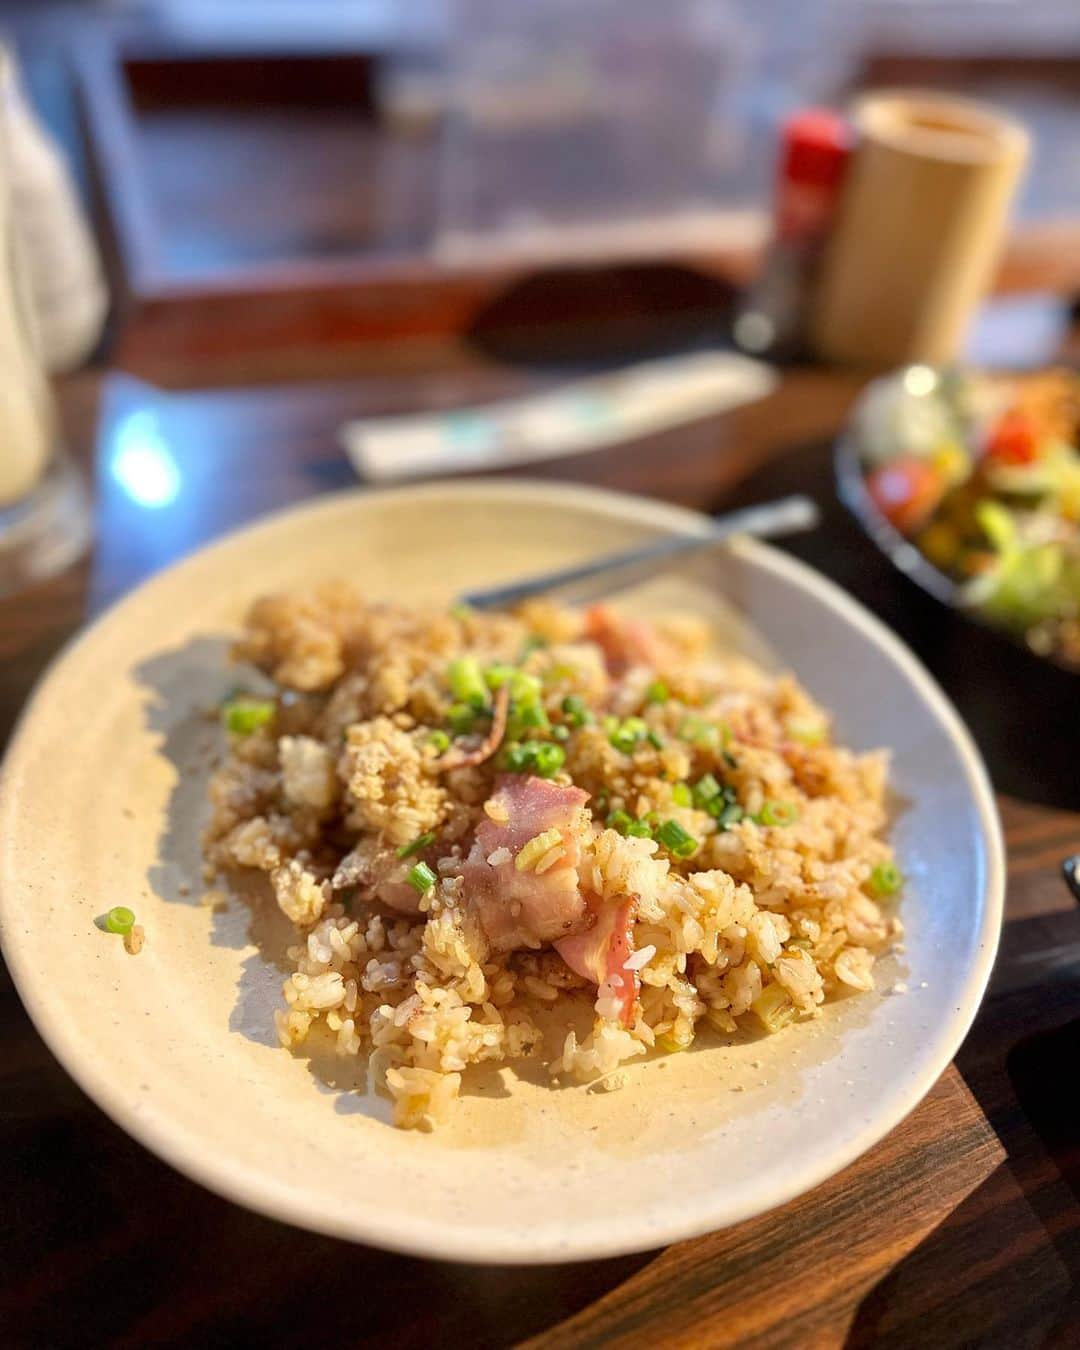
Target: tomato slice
x,y
1013,439
906,491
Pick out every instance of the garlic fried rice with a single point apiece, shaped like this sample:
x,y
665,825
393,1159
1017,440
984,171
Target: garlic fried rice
x,y
471,818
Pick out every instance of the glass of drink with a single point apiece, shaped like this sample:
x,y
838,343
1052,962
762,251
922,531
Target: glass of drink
x,y
44,510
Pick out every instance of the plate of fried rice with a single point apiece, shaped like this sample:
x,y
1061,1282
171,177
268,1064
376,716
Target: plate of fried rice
x,y
520,936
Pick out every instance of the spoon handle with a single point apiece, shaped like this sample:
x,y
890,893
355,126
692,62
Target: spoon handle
x,y
618,570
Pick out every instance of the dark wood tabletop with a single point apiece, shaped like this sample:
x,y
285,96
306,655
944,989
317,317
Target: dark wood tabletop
x,y
961,1228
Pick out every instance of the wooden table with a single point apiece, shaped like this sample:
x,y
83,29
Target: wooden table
x,y
961,1228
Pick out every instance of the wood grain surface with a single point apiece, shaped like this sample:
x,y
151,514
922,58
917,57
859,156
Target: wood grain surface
x,y
961,1228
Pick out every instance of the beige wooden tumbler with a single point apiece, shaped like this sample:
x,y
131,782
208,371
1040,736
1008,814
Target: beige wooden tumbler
x,y
919,228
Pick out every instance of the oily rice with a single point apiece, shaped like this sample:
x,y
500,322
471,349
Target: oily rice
x,y
722,864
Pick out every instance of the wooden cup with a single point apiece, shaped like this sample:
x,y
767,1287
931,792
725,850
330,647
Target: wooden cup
x,y
918,229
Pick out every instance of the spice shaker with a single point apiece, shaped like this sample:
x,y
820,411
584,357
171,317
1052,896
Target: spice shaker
x,y
814,147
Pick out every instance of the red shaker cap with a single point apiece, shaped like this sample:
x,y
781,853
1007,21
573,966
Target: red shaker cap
x,y
815,144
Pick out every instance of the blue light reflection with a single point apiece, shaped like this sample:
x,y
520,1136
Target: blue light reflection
x,y
141,463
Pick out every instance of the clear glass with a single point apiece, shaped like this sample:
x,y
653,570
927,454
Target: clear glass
x,y
44,511
582,114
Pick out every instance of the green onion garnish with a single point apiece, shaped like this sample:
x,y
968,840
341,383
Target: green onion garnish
x,y
514,757
676,840
461,718
496,676
886,879
639,829
626,734
655,739
805,730
242,716
466,682
577,713
120,920
730,814
523,720
548,759
560,733
619,820
420,842
531,644
681,794
777,813
421,878
440,740
706,789
657,692
525,690
699,732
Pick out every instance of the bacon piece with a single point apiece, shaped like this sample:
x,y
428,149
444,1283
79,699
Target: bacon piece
x,y
624,642
601,953
458,758
531,907
380,874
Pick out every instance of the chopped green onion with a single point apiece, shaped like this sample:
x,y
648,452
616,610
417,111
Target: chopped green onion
x,y
718,805
777,813
639,829
531,644
440,740
805,730
496,676
729,759
461,718
466,682
657,692
619,820
730,814
244,715
706,789
577,713
670,1045
773,1008
420,842
120,919
523,720
626,734
655,739
548,759
561,733
514,757
525,690
676,840
421,878
681,795
700,733
886,879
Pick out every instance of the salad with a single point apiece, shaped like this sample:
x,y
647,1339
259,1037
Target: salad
x,y
982,474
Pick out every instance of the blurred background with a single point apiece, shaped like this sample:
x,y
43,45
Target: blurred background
x,y
280,186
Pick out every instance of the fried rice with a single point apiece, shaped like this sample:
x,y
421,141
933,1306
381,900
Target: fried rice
x,y
475,820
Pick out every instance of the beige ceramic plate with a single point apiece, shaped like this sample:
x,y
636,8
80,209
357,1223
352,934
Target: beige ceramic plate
x,y
101,802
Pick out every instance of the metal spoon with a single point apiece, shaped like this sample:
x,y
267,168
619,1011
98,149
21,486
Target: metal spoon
x,y
616,571
1070,870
